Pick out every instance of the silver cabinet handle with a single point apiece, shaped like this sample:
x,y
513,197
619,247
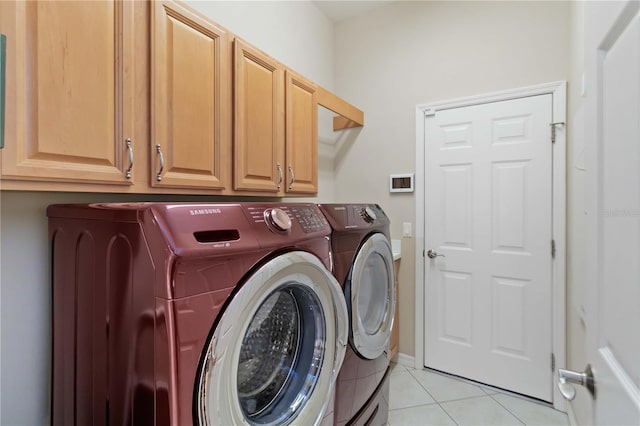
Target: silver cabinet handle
x,y
432,254
127,174
293,177
159,151
567,377
279,175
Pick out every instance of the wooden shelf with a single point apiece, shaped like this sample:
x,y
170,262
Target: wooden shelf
x,y
350,116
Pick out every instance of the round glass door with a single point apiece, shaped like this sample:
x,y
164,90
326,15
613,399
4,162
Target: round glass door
x,y
272,356
371,294
279,359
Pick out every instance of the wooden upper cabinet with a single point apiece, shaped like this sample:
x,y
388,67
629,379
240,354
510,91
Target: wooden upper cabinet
x,y
301,135
259,121
190,99
97,102
69,91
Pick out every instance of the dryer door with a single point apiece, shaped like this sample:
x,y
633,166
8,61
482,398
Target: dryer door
x,y
275,353
371,297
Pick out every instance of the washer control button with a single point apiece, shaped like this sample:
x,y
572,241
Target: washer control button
x,y
368,214
279,219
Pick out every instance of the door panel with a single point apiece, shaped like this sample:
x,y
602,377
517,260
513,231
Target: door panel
x,y
191,103
64,87
488,212
456,307
508,322
620,74
613,173
259,120
457,206
508,215
301,134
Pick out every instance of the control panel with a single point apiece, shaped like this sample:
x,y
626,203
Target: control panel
x,y
280,218
309,218
354,216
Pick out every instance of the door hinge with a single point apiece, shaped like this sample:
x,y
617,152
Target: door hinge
x,y
429,112
553,362
553,130
553,249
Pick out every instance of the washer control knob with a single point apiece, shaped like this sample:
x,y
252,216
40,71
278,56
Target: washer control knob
x,y
278,218
368,214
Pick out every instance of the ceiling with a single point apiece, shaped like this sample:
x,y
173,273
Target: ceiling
x,y
341,10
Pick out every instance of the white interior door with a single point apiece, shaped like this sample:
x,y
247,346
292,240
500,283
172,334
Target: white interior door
x,y
488,217
612,32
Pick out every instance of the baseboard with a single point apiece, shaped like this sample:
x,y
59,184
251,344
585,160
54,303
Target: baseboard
x,y
405,360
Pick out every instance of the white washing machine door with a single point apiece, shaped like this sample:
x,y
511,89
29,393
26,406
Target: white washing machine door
x,y
274,355
371,297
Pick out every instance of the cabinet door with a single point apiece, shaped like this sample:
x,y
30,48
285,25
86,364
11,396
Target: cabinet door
x,y
301,135
190,101
69,91
259,121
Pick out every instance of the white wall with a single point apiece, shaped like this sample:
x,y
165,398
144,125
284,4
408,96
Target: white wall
x,y
409,53
297,34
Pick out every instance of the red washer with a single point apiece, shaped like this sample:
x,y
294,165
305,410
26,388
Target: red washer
x,y
363,265
193,314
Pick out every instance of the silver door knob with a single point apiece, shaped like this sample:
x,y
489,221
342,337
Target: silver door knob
x,y
567,377
432,254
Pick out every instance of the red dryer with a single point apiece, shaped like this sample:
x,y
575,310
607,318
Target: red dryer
x,y
363,265
194,314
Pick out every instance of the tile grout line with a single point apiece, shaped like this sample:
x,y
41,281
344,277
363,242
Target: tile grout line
x,y
456,399
447,413
425,389
466,398
484,389
512,413
419,405
435,400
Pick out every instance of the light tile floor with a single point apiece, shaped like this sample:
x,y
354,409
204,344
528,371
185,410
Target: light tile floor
x,y
422,398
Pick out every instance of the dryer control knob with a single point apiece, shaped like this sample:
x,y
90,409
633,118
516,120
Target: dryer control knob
x,y
279,219
368,214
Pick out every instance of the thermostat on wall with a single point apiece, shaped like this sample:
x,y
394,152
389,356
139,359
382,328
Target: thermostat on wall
x,y
401,183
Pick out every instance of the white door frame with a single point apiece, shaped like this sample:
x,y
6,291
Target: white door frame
x,y
558,91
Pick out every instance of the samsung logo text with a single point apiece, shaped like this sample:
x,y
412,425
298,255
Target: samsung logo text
x,y
199,212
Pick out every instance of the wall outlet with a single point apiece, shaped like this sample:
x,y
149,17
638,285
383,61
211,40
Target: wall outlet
x,y
406,229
